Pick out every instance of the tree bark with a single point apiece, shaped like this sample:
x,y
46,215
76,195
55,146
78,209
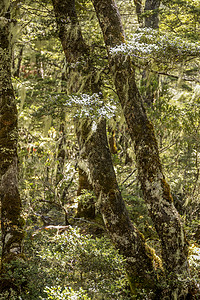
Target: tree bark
x,y
96,161
150,11
11,220
141,260
76,53
112,140
154,186
149,18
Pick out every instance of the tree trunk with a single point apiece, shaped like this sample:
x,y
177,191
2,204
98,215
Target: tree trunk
x,y
151,20
61,156
76,51
17,71
141,260
154,186
151,9
11,220
96,162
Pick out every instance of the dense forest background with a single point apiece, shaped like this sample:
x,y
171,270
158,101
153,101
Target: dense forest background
x,y
68,252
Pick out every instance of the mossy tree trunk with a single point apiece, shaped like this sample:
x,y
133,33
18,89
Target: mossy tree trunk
x,y
11,220
148,16
112,140
154,186
141,261
77,59
96,160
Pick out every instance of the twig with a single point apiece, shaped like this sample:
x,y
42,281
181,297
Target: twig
x,y
131,182
129,175
90,222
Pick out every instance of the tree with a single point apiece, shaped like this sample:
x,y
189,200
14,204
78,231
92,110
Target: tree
x,y
11,220
96,161
149,13
76,51
156,190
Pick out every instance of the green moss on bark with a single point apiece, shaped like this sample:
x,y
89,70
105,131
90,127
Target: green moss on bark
x,y
11,220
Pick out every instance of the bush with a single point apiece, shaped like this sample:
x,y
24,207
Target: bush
x,y
71,265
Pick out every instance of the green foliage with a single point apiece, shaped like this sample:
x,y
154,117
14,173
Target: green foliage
x,y
74,264
181,16
91,106
194,260
19,273
150,46
176,120
138,212
86,204
57,293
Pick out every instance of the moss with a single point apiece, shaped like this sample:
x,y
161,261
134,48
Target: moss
x,y
11,205
83,182
150,280
112,143
12,257
157,262
166,191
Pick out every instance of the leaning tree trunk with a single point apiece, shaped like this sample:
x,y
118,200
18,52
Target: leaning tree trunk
x,y
154,186
11,220
96,162
141,261
76,53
